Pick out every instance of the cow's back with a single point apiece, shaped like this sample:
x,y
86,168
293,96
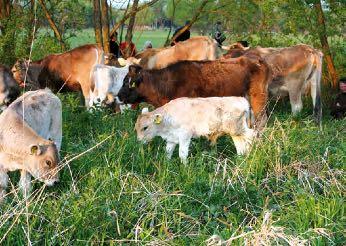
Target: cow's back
x,y
71,68
205,115
194,49
37,109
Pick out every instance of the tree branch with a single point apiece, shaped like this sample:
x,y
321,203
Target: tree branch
x,y
52,24
128,15
192,21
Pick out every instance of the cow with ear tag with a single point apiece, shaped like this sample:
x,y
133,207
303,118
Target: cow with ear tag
x,y
30,139
184,118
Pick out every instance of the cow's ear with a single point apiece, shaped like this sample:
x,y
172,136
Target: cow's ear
x,y
145,110
158,119
35,149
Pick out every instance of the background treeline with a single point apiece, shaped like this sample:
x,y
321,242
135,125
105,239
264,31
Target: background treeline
x,y
265,23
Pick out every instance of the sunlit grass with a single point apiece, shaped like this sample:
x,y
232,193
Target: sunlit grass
x,y
292,184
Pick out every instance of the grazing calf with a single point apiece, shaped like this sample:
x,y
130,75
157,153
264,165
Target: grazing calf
x,y
9,90
184,118
30,139
106,83
294,70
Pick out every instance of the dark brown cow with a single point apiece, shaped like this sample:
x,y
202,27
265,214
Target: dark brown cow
x,y
232,77
294,70
9,90
69,71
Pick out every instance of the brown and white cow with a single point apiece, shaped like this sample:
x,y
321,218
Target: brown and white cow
x,y
31,133
69,71
230,77
194,49
294,70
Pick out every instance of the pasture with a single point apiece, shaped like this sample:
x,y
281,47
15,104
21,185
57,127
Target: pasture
x,y
114,190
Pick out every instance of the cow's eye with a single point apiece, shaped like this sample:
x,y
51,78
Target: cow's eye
x,y
48,163
145,128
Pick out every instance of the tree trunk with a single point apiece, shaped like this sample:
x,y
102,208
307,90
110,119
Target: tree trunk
x,y
128,15
5,9
97,23
325,46
193,20
122,24
52,25
172,20
105,25
129,32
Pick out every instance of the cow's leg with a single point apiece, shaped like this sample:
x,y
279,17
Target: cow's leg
x,y
170,146
86,93
184,143
3,184
25,183
296,101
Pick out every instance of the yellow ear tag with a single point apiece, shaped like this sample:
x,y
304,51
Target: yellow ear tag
x,y
158,119
133,85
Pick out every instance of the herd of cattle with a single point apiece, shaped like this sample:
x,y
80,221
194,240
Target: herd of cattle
x,y
196,90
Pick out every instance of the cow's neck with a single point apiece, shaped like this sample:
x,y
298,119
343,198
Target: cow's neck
x,y
152,90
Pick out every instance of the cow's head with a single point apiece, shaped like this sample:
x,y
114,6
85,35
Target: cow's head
x,y
149,124
129,91
18,71
42,162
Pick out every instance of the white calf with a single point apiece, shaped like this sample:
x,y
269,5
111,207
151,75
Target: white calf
x,y
184,118
30,130
107,81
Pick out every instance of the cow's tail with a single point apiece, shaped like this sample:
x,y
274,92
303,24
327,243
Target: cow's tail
x,y
316,89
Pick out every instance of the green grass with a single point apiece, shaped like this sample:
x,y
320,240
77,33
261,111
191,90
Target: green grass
x,y
290,187
124,191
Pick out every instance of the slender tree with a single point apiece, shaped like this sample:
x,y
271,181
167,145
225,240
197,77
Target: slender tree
x,y
324,42
105,25
192,21
128,15
130,27
97,23
52,24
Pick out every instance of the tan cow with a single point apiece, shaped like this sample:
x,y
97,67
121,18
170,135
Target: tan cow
x,y
69,71
294,69
194,49
30,139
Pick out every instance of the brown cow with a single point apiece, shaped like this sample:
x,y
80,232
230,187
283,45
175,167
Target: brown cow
x,y
294,70
69,71
220,78
194,49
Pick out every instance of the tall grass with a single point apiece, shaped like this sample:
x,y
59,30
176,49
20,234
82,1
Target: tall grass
x,y
290,188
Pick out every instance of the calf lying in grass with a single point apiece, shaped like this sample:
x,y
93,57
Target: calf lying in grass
x,y
30,139
184,118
